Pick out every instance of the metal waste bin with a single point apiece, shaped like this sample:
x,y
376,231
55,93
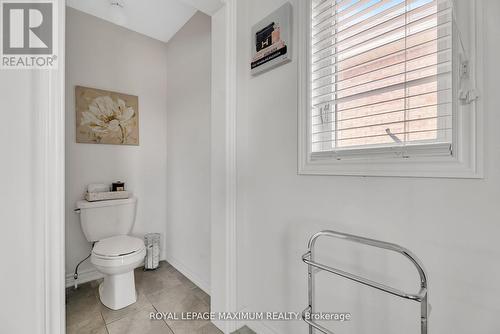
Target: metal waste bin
x,y
152,242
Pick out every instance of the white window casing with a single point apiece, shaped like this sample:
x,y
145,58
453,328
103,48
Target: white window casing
x,y
389,88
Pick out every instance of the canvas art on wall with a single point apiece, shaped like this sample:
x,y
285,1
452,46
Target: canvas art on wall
x,y
271,44
105,117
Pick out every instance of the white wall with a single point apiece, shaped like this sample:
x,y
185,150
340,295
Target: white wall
x,y
19,249
451,224
106,56
31,208
218,165
188,147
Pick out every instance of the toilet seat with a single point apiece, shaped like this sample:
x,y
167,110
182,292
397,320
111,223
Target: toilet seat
x,y
118,246
117,253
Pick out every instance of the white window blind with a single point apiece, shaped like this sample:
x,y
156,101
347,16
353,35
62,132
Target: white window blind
x,y
381,77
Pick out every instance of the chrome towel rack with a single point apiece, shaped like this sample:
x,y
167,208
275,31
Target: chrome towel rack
x,y
308,258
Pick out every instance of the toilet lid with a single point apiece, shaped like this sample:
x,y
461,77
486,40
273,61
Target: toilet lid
x,y
118,246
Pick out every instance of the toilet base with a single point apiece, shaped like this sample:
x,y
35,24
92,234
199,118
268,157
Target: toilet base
x,y
118,291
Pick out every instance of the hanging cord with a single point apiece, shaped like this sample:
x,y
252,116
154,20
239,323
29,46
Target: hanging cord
x,y
467,93
75,276
457,28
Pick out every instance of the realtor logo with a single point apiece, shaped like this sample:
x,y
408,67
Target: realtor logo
x,y
27,34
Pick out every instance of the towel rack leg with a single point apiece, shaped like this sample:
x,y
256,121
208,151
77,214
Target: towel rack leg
x,y
310,283
424,314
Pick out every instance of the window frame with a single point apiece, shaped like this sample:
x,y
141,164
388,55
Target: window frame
x,y
465,160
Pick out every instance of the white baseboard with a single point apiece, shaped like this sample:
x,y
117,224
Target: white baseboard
x,y
84,276
92,274
88,275
189,273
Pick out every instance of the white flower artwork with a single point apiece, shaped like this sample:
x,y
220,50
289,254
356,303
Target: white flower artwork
x,y
105,117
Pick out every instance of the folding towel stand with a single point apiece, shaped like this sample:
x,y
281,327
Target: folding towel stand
x,y
421,296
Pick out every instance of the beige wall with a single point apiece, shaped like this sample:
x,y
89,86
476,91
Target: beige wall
x,y
451,224
188,147
102,55
21,253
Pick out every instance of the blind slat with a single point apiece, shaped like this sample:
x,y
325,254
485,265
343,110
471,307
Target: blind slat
x,y
317,121
446,41
365,25
330,5
385,135
340,13
380,73
385,151
340,129
417,35
444,64
404,27
398,86
318,3
408,97
441,54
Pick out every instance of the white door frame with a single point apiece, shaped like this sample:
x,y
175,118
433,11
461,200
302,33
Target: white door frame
x,y
223,175
49,189
50,166
231,171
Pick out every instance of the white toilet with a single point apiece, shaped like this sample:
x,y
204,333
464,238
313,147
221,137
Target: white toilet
x,y
115,253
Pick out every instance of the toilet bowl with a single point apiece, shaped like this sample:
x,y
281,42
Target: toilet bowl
x,y
116,258
115,254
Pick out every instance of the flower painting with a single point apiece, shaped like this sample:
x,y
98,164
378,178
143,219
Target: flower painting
x,y
104,117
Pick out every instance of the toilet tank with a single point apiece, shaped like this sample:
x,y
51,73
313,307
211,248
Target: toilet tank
x,y
106,219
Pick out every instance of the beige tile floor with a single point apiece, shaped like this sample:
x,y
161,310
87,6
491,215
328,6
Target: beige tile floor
x,y
162,290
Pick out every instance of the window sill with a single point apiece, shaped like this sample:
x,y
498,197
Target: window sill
x,y
433,167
